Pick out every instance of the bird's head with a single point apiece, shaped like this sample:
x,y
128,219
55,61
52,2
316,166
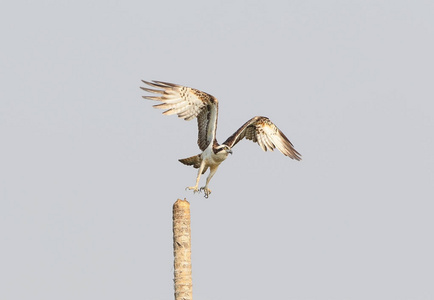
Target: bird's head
x,y
224,149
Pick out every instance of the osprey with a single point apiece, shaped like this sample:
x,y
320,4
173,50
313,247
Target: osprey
x,y
189,103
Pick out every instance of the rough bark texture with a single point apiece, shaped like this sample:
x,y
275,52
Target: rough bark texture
x,y
182,250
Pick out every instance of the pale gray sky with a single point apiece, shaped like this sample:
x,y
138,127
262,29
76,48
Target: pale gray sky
x,y
89,170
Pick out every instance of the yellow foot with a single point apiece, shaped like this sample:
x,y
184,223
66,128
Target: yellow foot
x,y
206,191
194,188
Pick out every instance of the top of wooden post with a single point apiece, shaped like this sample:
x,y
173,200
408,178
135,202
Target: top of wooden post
x,y
180,202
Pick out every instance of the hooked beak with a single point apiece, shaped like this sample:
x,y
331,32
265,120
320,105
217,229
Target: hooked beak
x,y
230,151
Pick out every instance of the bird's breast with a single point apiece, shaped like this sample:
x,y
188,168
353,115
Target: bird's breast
x,y
213,159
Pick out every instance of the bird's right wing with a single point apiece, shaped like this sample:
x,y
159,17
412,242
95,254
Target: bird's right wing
x,y
187,103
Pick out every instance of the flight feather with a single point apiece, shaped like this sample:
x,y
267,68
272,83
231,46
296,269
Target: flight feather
x,y
264,132
187,103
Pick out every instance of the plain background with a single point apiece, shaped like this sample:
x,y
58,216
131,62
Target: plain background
x,y
89,170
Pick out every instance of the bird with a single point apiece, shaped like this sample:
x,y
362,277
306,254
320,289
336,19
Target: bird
x,y
189,103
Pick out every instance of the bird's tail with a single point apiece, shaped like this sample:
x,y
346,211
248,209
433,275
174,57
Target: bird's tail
x,y
194,161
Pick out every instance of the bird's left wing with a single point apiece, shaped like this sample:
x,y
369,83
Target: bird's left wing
x,y
264,132
187,103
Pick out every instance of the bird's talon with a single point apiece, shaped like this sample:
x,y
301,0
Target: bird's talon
x,y
206,191
195,190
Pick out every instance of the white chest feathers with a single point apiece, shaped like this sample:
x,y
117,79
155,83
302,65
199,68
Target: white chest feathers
x,y
212,158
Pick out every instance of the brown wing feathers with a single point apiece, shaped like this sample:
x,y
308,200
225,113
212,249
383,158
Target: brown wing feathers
x,y
264,132
187,103
176,99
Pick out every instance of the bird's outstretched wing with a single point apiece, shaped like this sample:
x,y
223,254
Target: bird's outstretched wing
x,y
262,131
187,103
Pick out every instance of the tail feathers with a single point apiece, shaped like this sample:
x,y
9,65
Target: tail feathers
x,y
194,161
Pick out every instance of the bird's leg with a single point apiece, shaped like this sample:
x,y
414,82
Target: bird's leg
x,y
205,189
195,188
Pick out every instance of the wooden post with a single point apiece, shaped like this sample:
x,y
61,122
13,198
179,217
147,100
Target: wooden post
x,y
182,250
